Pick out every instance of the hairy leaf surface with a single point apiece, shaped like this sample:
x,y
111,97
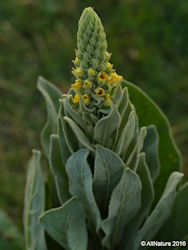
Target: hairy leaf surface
x,y
80,185
52,96
58,169
124,204
66,225
34,205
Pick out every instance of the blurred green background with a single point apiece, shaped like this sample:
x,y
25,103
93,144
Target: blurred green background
x,y
148,40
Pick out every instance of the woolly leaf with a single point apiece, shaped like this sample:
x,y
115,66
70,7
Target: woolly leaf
x,y
83,140
161,212
151,143
147,196
108,169
80,184
117,96
124,102
64,148
106,126
34,205
70,140
65,152
52,96
149,113
58,169
124,204
176,227
68,143
134,157
125,116
66,225
126,136
147,185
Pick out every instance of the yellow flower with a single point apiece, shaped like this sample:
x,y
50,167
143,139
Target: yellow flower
x,y
87,84
85,98
91,72
102,77
76,98
100,92
77,85
109,66
77,72
107,100
76,61
108,55
114,79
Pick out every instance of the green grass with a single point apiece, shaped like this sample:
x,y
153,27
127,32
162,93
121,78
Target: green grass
x,y
148,40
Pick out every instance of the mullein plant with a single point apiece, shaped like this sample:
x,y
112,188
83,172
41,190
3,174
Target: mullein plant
x,y
112,176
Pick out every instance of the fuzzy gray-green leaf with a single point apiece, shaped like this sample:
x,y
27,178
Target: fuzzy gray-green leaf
x,y
45,137
106,126
151,143
124,204
147,196
108,169
80,184
78,133
134,157
127,135
52,96
125,115
176,227
58,169
147,186
70,139
161,212
124,101
66,225
34,205
117,96
65,152
149,113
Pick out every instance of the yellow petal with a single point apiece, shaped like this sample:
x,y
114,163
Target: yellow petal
x,y
76,98
100,92
85,98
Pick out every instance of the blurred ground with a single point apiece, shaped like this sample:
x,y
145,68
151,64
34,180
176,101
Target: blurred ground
x,y
148,40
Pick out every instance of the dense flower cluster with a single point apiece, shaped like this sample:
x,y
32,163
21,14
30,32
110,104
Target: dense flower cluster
x,y
95,76
96,87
